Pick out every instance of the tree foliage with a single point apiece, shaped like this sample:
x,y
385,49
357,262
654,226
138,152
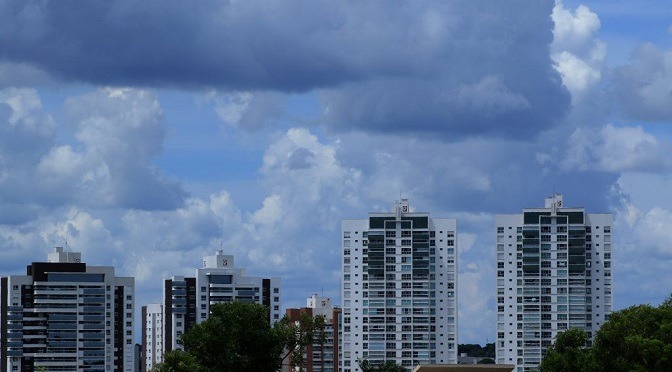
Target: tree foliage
x,y
638,338
487,361
476,350
178,361
238,337
668,302
307,331
389,366
568,353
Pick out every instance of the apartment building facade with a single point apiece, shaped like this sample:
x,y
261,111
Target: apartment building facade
x,y
553,273
399,289
64,315
151,351
187,301
322,355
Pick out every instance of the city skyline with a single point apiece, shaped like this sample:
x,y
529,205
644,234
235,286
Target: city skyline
x,y
147,136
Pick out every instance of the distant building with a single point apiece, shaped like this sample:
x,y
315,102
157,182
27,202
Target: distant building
x,y
152,336
464,358
399,289
138,361
553,273
187,301
465,368
179,310
64,315
321,356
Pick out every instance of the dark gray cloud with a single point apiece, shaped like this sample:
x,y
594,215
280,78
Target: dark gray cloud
x,y
473,175
451,67
285,46
26,132
643,87
17,213
300,158
488,72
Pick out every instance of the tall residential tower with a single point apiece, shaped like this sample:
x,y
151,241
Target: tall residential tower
x,y
553,273
64,315
399,289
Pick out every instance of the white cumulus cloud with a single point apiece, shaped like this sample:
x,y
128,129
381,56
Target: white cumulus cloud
x,y
617,149
578,55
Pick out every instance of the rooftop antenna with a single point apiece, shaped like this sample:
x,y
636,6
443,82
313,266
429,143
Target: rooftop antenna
x,y
67,231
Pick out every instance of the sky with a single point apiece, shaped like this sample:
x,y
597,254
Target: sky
x,y
149,134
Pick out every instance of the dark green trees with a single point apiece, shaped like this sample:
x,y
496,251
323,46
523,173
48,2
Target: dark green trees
x,y
237,337
476,350
638,338
568,352
385,367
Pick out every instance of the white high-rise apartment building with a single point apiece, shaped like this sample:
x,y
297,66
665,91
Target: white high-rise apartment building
x,y
64,315
553,273
399,289
219,281
187,301
152,335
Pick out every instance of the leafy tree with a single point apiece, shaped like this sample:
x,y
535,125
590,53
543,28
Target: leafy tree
x,y
668,302
638,338
486,361
178,361
238,337
307,331
476,350
568,352
389,366
489,350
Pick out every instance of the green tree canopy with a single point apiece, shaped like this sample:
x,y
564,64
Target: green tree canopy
x,y
568,352
638,338
178,361
238,337
389,366
476,350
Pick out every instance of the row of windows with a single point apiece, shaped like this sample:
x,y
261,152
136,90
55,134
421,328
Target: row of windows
x,y
393,234
606,230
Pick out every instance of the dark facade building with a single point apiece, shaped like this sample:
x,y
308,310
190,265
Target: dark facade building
x,y
64,315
